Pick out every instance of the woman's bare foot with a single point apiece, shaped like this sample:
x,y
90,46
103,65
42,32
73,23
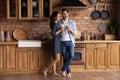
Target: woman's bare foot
x,y
45,73
56,74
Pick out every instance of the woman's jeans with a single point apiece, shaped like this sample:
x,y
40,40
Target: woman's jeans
x,y
68,54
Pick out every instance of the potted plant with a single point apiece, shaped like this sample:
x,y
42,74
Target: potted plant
x,y
112,27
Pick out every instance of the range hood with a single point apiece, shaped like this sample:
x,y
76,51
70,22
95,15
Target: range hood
x,y
73,4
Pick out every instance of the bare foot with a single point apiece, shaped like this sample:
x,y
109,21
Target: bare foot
x,y
45,73
63,73
56,74
69,75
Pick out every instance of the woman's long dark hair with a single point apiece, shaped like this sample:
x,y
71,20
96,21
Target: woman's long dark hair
x,y
52,18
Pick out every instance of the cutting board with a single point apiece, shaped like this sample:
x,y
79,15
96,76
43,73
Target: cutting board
x,y
19,34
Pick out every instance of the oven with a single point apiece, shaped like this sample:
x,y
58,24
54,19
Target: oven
x,y
79,54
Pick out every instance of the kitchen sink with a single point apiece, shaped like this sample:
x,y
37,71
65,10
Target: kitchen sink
x,y
29,43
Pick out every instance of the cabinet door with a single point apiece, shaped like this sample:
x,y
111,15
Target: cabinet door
x,y
10,58
22,59
90,58
1,58
34,59
114,55
36,9
101,58
12,8
24,9
30,9
47,8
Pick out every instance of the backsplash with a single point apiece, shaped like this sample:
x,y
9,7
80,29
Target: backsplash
x,y
82,18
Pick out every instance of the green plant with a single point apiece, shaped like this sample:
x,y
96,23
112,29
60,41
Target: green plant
x,y
112,27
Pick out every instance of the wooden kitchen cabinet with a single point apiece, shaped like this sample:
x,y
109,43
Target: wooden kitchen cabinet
x,y
12,9
114,55
22,59
1,58
90,58
34,59
28,59
29,9
96,56
10,57
7,57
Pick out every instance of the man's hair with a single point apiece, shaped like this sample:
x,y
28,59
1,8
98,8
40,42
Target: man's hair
x,y
65,10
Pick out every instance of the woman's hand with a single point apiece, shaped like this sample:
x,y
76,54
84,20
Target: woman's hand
x,y
70,29
62,27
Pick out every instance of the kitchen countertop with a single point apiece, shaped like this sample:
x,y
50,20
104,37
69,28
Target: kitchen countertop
x,y
8,42
98,41
85,41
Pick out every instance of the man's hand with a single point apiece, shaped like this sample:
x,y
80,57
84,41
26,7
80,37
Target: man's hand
x,y
68,28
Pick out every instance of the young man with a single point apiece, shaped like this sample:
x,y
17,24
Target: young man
x,y
67,41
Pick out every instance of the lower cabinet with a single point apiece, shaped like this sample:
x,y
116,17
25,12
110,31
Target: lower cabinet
x,y
1,58
114,55
10,57
22,59
7,58
96,56
28,59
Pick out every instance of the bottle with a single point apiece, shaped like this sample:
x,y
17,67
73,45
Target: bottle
x,y
8,37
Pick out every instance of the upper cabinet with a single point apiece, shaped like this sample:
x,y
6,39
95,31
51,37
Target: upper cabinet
x,y
12,7
28,9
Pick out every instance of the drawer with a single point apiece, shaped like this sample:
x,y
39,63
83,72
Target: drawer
x,y
79,45
95,45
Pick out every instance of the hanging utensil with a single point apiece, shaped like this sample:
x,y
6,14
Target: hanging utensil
x,y
96,14
102,27
105,14
101,0
93,1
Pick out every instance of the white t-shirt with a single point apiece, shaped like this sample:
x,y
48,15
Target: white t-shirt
x,y
65,35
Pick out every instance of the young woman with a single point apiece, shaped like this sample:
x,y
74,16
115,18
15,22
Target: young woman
x,y
55,32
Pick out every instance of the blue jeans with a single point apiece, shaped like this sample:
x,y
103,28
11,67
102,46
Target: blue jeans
x,y
68,54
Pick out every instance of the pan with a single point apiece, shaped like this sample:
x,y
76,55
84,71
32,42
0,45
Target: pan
x,y
96,14
105,14
93,1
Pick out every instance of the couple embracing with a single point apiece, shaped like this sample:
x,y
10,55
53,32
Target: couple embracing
x,y
62,32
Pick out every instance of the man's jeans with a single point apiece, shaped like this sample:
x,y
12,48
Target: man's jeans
x,y
68,54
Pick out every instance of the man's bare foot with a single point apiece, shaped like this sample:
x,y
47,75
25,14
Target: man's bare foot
x,y
69,75
63,73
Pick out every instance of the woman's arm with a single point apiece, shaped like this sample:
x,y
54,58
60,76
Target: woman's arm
x,y
60,30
